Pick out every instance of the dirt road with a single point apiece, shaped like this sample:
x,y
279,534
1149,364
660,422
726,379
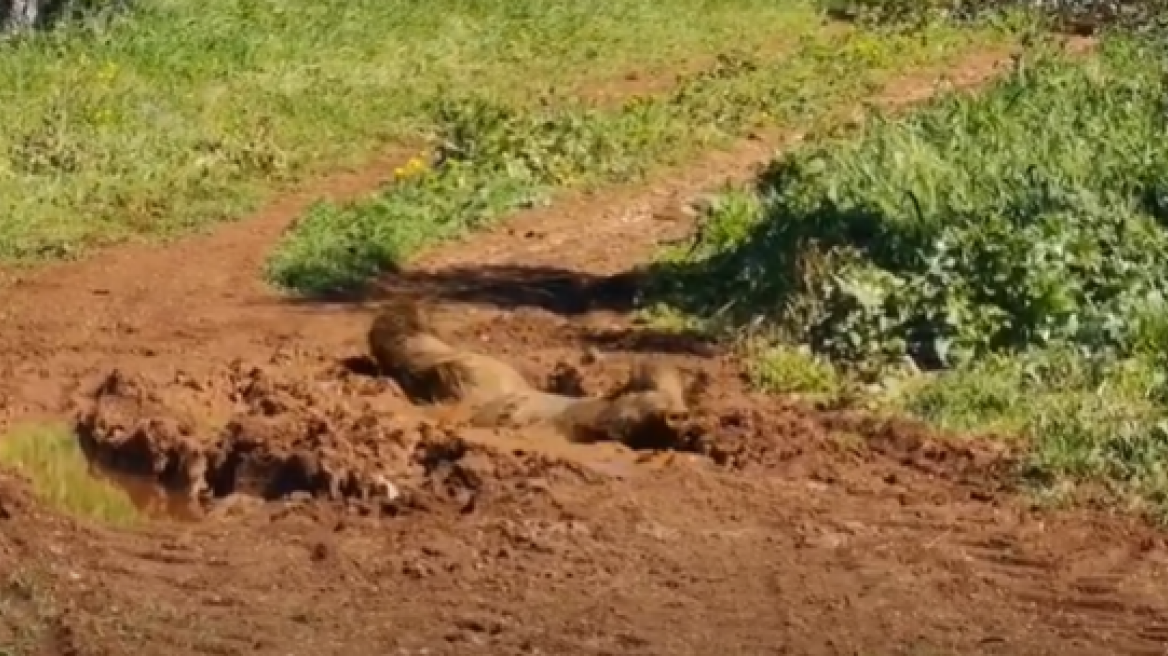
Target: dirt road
x,y
778,532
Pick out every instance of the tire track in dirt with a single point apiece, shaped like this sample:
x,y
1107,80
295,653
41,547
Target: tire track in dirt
x,y
796,543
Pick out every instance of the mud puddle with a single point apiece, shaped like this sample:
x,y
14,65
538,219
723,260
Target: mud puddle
x,y
151,499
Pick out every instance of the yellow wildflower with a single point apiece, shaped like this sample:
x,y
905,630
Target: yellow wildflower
x,y
108,72
414,167
102,116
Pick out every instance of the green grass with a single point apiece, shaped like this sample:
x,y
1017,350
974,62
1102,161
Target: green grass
x,y
1009,244
1094,428
184,113
786,369
498,157
51,458
1028,215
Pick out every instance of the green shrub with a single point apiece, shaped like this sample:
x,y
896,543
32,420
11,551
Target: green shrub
x,y
1013,241
1028,216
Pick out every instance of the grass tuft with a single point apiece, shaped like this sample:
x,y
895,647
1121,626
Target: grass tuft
x,y
785,369
51,458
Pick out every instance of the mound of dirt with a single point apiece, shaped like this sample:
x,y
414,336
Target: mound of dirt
x,y
251,429
292,426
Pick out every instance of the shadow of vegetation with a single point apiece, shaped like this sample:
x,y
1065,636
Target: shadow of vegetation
x,y
559,291
509,287
783,270
760,272
556,290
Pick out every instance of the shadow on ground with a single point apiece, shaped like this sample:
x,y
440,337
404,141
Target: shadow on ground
x,y
561,292
509,287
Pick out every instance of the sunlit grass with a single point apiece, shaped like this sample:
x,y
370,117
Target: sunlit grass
x,y
182,113
499,157
51,458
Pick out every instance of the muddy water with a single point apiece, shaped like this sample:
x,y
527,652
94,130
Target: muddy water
x,y
151,499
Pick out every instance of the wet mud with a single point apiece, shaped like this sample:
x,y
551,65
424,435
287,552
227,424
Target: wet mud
x,y
250,429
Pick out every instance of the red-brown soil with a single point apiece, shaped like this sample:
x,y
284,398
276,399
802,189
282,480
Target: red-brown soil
x,y
389,529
